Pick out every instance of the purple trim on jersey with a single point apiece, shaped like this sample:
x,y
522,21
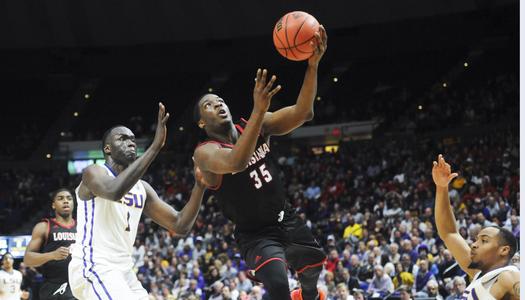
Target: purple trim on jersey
x,y
110,169
474,296
91,250
84,249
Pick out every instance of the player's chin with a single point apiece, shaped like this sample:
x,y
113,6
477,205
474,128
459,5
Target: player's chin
x,y
131,157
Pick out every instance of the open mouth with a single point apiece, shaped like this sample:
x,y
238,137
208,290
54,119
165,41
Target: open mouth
x,y
223,113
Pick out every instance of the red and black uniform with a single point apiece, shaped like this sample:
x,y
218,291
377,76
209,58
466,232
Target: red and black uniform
x,y
55,272
267,227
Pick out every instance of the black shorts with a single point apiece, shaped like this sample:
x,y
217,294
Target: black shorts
x,y
55,291
292,242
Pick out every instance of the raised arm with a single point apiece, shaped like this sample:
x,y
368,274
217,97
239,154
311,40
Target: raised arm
x,y
33,257
212,158
288,118
166,216
445,220
96,182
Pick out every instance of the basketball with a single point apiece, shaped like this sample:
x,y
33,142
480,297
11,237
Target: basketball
x,y
293,33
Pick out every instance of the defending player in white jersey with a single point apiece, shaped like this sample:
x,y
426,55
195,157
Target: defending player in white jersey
x,y
110,201
488,258
10,279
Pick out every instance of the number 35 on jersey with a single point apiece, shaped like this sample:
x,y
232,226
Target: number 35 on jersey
x,y
260,176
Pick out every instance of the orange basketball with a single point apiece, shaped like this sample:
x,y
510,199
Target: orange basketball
x,y
293,33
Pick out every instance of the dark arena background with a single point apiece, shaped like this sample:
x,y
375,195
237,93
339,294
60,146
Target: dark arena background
x,y
401,82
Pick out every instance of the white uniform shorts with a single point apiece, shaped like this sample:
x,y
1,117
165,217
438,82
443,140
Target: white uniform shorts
x,y
99,282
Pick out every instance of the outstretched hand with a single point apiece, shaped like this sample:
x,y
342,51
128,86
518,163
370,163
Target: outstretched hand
x,y
441,173
161,132
321,43
262,92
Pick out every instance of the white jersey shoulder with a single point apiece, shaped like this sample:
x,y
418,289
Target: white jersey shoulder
x,y
10,283
106,229
479,288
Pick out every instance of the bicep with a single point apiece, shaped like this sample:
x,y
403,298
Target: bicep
x,y
460,250
282,121
159,211
214,159
38,237
97,181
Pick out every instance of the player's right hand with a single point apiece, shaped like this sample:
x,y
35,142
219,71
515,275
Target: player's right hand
x,y
262,92
60,253
161,131
441,173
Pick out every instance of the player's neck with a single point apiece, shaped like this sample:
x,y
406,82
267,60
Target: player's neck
x,y
497,265
226,134
64,220
116,168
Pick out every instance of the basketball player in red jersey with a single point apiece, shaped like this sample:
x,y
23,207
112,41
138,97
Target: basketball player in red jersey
x,y
237,162
49,247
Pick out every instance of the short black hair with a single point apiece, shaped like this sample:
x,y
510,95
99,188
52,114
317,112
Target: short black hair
x,y
55,193
507,238
5,255
106,135
197,109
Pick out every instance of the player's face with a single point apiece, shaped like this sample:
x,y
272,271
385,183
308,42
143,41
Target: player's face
x,y
214,110
484,252
7,261
122,146
63,204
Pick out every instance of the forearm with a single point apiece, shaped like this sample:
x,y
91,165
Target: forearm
x,y
305,100
445,220
245,146
129,177
188,215
35,259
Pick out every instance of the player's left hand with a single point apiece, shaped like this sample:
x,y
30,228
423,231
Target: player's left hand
x,y
321,43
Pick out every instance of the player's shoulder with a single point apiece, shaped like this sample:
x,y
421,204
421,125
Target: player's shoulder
x,y
510,274
508,280
203,146
206,149
41,226
93,171
145,183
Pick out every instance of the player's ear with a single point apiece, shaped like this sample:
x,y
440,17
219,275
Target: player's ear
x,y
107,149
504,250
201,124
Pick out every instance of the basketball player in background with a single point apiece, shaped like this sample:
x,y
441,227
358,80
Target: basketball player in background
x,y
487,260
237,162
10,280
110,201
49,247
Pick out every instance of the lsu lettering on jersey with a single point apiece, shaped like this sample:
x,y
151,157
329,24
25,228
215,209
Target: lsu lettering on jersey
x,y
106,229
10,285
479,288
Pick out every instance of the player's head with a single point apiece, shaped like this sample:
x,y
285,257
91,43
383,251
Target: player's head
x,y
7,261
118,142
211,112
493,245
62,202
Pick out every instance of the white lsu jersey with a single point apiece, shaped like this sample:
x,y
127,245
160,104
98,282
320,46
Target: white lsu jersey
x,y
479,288
10,285
106,229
